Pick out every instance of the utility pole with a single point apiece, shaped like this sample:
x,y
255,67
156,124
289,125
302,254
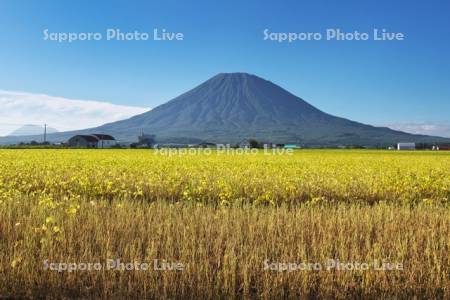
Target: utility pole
x,y
45,133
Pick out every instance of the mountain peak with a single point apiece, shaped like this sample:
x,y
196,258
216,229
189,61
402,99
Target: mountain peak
x,y
236,76
31,129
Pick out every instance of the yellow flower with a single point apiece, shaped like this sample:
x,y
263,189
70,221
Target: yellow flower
x,y
50,219
428,202
71,211
15,262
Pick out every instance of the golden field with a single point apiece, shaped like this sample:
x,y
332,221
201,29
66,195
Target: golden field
x,y
225,218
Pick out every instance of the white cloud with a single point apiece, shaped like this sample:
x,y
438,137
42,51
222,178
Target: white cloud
x,y
427,128
20,108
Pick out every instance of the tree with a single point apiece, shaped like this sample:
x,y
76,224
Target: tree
x,y
253,143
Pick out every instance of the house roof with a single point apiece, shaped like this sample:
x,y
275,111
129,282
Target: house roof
x,y
88,138
104,137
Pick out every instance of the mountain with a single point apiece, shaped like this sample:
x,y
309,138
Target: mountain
x,y
231,107
31,129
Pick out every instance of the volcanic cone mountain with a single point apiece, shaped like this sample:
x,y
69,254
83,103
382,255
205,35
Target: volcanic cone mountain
x,y
235,106
231,107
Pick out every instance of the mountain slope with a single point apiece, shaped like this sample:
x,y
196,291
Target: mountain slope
x,y
234,106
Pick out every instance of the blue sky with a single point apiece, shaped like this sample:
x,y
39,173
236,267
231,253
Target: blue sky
x,y
373,82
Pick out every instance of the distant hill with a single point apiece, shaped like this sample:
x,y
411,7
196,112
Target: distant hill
x,y
31,129
234,106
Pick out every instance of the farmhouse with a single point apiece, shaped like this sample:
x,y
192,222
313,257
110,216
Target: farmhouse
x,y
92,141
84,141
105,140
441,148
406,146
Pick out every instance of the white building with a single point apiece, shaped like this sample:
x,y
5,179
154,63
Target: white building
x,y
406,146
105,140
92,141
